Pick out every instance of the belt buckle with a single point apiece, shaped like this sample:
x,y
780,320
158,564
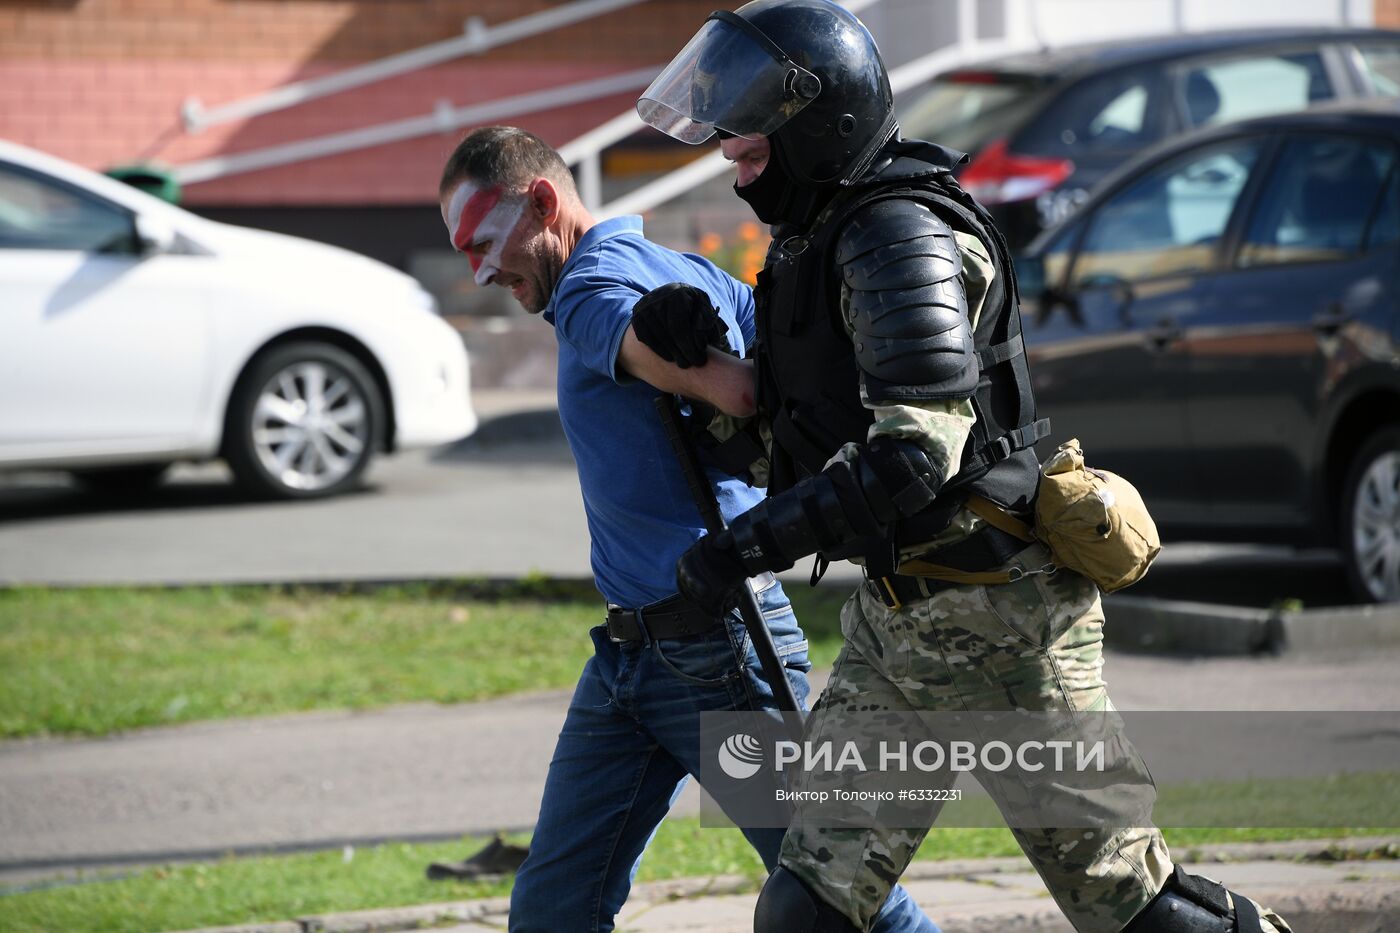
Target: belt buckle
x,y
609,619
885,590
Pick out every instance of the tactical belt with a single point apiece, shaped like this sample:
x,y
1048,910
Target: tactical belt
x,y
897,590
968,562
672,617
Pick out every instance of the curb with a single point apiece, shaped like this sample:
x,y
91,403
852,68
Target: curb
x,y
1147,624
1355,627
1379,904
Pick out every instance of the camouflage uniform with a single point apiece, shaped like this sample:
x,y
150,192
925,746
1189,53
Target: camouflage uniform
x,y
1034,644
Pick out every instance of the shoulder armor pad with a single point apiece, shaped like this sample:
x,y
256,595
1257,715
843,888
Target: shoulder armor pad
x,y
893,220
905,303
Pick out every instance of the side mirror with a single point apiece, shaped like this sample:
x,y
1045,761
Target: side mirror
x,y
1038,300
1120,289
155,234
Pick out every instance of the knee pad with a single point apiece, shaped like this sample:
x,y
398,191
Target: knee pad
x,y
1192,904
786,905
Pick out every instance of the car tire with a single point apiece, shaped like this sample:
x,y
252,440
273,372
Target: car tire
x,y
127,480
1370,507
303,422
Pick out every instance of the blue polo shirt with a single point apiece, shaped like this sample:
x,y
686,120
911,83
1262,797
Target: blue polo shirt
x,y
641,516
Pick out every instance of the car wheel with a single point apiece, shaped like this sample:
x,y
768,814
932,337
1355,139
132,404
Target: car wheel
x,y
1371,519
122,480
303,422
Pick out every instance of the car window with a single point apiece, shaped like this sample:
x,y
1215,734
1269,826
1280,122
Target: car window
x,y
1385,228
1057,253
1381,63
1169,220
37,213
1106,113
965,111
1233,89
1321,198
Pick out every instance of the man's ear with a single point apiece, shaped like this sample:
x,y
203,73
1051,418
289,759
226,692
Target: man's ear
x,y
544,200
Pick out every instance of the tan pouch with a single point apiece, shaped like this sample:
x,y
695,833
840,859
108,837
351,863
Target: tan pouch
x,y
1094,522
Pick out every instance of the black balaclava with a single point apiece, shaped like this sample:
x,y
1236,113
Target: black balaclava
x,y
766,193
776,198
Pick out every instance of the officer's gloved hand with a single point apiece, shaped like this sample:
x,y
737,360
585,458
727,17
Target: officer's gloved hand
x,y
710,574
678,323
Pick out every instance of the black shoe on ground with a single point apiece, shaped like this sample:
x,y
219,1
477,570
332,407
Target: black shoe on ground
x,y
497,858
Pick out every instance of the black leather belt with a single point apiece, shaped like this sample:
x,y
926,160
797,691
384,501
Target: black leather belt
x,y
675,617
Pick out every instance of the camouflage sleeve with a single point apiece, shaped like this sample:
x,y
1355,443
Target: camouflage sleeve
x,y
722,427
940,427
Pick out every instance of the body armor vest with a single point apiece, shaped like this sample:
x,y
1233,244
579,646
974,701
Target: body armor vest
x,y
807,376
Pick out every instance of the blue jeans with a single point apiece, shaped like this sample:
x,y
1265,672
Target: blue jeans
x,y
631,737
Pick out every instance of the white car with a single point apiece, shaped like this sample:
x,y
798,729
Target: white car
x,y
134,334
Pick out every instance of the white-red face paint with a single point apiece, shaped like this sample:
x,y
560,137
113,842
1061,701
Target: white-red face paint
x,y
480,220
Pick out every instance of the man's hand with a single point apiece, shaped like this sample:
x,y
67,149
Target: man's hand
x,y
710,574
678,322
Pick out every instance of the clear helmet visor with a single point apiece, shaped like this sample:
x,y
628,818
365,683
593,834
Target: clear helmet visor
x,y
728,77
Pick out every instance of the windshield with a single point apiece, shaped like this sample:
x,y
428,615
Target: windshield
x,y
965,113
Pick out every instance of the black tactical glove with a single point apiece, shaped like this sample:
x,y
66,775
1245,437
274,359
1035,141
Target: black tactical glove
x,y
678,323
710,574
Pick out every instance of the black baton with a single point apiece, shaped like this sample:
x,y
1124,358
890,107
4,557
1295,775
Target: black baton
x,y
704,496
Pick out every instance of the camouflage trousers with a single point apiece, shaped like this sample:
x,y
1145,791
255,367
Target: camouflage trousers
x,y
1035,644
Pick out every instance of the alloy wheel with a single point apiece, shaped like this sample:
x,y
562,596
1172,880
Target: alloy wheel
x,y
1376,527
310,425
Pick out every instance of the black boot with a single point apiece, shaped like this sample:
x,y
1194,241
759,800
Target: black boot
x,y
1192,904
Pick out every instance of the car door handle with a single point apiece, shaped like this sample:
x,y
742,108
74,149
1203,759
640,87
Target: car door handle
x,y
1332,320
1162,333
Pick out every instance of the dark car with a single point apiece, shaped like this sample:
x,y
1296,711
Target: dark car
x,y
1043,128
1220,323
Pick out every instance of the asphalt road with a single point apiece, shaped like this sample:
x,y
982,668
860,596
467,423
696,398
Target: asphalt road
x,y
502,503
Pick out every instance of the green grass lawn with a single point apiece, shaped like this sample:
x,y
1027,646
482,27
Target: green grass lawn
x,y
247,890
95,661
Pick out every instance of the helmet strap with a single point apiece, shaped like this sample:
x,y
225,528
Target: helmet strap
x,y
888,131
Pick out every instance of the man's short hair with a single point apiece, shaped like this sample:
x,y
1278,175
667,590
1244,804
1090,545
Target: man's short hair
x,y
505,156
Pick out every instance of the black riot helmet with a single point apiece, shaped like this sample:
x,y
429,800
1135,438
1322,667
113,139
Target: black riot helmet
x,y
804,73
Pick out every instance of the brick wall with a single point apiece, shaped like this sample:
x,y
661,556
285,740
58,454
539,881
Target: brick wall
x,y
101,82
304,31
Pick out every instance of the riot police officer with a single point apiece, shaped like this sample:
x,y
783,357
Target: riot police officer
x,y
899,426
